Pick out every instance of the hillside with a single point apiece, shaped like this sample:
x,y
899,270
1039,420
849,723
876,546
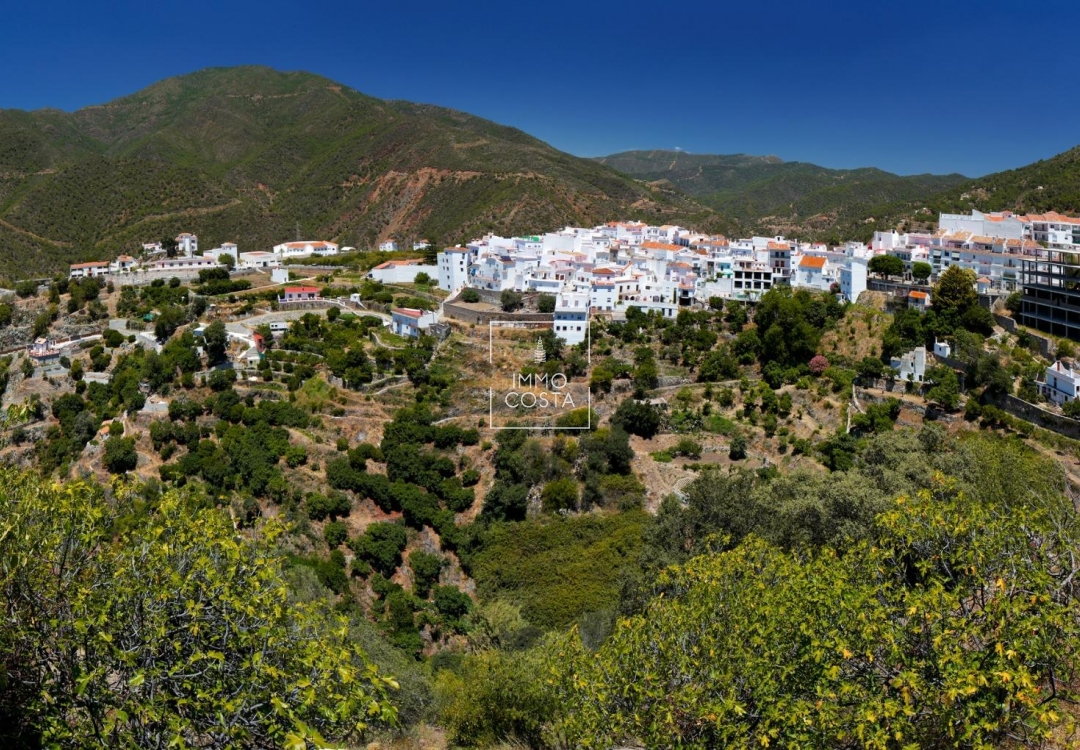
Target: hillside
x,y
244,154
768,194
1047,185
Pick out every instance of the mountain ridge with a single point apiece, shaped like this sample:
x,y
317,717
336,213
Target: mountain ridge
x,y
244,154
769,194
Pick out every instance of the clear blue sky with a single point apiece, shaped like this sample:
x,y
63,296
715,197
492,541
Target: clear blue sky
x,y
912,86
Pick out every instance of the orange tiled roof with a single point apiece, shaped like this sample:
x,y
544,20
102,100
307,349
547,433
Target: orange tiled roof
x,y
812,262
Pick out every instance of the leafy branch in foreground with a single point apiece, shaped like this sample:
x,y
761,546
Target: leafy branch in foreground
x,y
136,629
956,627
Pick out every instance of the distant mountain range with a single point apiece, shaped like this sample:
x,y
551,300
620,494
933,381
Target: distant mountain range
x,y
249,154
774,196
245,154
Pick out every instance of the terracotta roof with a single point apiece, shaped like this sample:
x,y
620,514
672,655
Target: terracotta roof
x,y
779,246
300,289
91,264
915,294
409,311
1050,217
809,261
660,246
983,280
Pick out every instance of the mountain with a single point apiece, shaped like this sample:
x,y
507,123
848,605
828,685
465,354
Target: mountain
x,y
246,154
769,194
1047,185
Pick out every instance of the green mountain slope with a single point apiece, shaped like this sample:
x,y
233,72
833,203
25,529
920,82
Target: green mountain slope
x,y
244,154
767,193
1047,185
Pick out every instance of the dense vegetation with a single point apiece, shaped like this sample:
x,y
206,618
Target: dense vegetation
x,y
885,606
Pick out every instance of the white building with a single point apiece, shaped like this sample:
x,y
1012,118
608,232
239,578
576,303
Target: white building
x,y
454,268
305,249
178,264
813,272
227,248
1061,383
187,244
571,322
92,268
123,264
410,322
402,271
911,366
390,246
257,259
853,279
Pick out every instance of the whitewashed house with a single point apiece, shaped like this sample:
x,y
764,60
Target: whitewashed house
x,y
911,366
1061,384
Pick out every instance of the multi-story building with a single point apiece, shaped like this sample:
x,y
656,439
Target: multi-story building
x,y
187,244
92,268
1051,293
454,268
853,279
571,323
1061,383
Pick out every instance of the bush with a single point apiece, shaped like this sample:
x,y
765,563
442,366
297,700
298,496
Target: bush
x,y
425,567
470,295
737,450
510,300
381,546
120,455
545,303
688,447
335,533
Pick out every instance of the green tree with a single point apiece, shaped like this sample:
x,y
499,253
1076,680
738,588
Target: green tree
x,y
470,295
167,322
545,303
216,339
1014,303
955,290
510,300
560,494
737,449
637,418
120,455
425,567
227,260
886,265
921,271
381,546
946,390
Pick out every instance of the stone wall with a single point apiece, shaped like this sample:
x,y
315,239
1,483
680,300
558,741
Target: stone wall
x,y
465,314
1039,416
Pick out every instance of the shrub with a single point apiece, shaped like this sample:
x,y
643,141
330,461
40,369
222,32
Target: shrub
x,y
335,533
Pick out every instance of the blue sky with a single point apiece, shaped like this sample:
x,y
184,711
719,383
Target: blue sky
x,y
911,86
